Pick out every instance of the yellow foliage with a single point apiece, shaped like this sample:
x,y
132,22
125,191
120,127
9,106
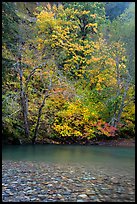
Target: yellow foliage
x,y
54,7
39,40
64,129
97,45
93,15
77,133
95,30
85,12
111,62
96,59
48,6
91,25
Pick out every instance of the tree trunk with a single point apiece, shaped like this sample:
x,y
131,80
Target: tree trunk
x,y
24,100
122,103
117,117
38,120
114,118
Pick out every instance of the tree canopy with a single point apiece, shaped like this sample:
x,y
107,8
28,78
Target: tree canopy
x,y
70,72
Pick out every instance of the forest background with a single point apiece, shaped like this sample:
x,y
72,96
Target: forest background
x,y
68,71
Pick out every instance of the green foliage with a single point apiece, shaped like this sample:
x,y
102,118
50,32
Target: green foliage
x,y
9,25
114,9
9,35
123,29
75,83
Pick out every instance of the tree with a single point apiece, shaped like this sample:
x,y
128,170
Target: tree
x,y
123,29
9,35
95,61
115,9
70,30
12,49
69,80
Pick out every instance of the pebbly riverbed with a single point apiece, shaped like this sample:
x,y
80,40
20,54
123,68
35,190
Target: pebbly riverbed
x,y
30,181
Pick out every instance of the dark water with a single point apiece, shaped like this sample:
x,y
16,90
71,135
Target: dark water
x,y
115,159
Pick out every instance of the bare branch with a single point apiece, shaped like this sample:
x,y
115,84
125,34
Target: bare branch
x,y
33,71
14,113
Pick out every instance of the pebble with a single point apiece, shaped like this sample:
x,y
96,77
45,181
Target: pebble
x,y
43,182
80,200
32,199
114,180
82,196
131,193
49,185
67,193
88,192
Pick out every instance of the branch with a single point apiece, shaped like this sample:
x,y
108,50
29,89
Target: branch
x,y
14,113
33,71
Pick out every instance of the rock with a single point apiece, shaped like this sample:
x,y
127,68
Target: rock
x,y
41,196
57,179
4,184
54,183
79,200
114,180
15,182
131,193
30,191
54,195
78,185
49,185
90,192
93,178
27,188
32,199
59,195
93,197
70,180
83,196
67,193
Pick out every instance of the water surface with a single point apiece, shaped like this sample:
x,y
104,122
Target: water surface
x,y
112,159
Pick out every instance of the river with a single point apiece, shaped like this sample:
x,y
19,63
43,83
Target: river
x,y
115,160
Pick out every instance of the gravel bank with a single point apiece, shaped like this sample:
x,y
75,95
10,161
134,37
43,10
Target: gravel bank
x,y
45,182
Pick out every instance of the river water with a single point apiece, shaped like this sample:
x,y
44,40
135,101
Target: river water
x,y
115,160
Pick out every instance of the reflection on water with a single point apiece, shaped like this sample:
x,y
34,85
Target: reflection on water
x,y
115,158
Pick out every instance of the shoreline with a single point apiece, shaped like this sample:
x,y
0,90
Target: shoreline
x,y
24,181
121,142
118,143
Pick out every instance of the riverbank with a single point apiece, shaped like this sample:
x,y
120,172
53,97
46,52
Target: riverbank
x,y
52,182
121,142
118,142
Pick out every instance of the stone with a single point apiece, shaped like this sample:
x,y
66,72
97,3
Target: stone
x,y
55,183
114,180
41,196
27,188
59,195
131,193
32,199
90,192
93,178
79,200
83,196
70,180
49,185
15,182
67,193
30,191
